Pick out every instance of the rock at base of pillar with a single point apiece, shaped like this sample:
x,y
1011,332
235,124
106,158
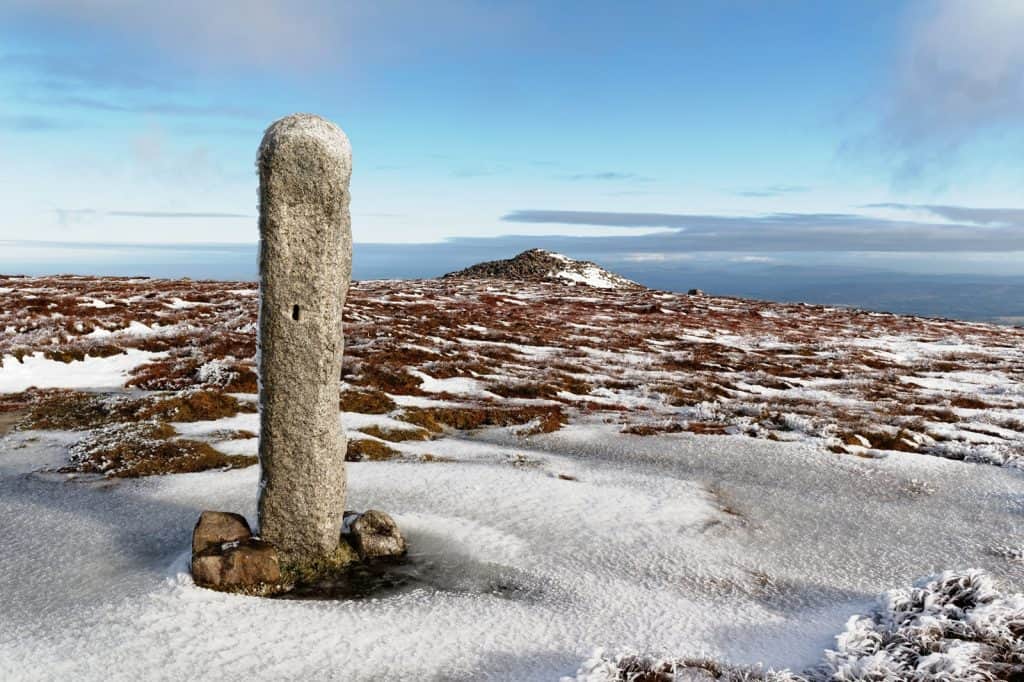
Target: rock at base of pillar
x,y
226,557
214,528
373,534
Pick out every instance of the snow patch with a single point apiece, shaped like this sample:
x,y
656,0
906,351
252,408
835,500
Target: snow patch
x,y
37,371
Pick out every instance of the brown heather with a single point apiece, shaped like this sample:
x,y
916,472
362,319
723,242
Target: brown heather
x,y
554,354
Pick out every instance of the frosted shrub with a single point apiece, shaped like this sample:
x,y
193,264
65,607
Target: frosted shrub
x,y
706,412
216,372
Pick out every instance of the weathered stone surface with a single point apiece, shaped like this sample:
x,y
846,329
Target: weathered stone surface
x,y
305,264
251,566
214,528
374,535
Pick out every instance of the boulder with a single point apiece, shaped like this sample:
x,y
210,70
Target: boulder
x,y
248,566
695,292
214,528
226,557
373,534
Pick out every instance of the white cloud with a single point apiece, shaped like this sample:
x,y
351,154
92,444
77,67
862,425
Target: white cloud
x,y
668,257
960,75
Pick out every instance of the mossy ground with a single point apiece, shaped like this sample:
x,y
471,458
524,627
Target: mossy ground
x,y
305,570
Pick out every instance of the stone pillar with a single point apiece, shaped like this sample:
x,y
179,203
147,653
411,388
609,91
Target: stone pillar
x,y
305,264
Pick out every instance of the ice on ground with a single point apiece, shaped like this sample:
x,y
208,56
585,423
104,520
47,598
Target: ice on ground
x,y
744,550
92,372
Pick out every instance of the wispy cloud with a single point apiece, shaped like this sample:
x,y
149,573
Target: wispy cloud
x,y
599,218
966,214
161,108
66,217
474,172
70,216
671,257
177,214
771,191
775,232
32,123
58,72
617,176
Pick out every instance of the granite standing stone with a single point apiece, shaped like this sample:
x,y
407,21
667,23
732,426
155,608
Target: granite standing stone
x,y
305,264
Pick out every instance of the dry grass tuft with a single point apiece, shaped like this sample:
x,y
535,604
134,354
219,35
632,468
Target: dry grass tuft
x,y
146,449
707,428
65,410
652,429
195,406
435,458
366,402
367,450
546,418
244,381
970,402
173,374
527,390
232,434
396,435
389,380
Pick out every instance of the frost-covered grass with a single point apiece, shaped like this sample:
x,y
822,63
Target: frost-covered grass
x,y
128,435
954,627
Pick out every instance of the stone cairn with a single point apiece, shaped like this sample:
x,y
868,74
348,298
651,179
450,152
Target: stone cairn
x,y
304,163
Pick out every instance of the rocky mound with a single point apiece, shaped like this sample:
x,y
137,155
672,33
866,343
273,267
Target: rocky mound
x,y
538,265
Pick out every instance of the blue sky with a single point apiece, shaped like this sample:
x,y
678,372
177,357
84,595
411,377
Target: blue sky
x,y
660,128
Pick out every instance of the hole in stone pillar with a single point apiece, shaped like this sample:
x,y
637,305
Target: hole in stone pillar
x,y
295,313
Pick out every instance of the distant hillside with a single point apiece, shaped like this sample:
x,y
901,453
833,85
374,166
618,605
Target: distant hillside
x,y
538,265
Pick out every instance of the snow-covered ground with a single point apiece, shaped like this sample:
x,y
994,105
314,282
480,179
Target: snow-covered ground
x,y
604,514
587,273
744,550
36,371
